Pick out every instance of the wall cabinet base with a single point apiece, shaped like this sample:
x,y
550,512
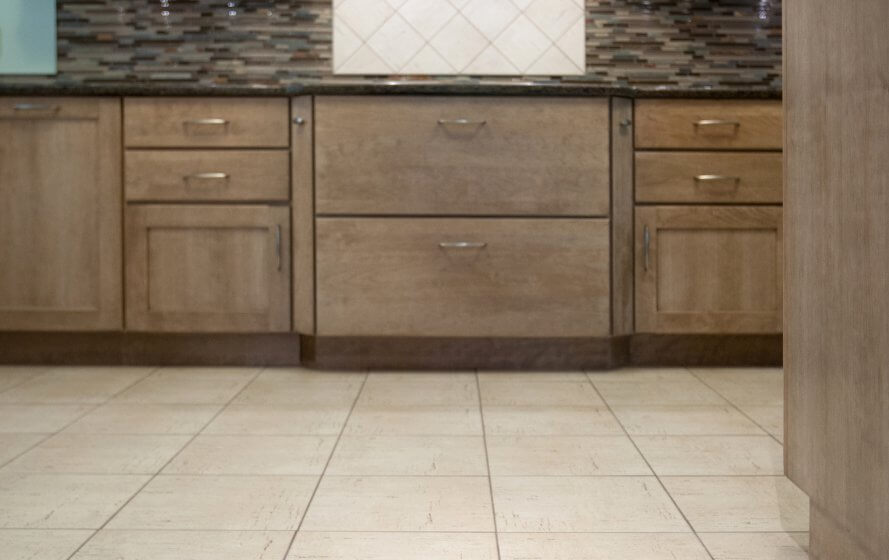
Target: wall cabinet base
x,y
388,353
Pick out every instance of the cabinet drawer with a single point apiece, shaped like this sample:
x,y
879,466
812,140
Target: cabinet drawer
x,y
462,155
735,177
55,108
462,277
671,123
206,123
207,175
207,268
709,269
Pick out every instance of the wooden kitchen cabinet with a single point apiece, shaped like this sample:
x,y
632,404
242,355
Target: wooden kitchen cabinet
x,y
208,268
60,217
709,269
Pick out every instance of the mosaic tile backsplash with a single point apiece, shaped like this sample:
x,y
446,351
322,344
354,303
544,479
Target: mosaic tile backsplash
x,y
644,43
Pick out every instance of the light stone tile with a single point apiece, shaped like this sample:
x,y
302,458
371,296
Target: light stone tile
x,y
744,386
390,546
415,421
564,456
601,546
364,61
654,387
554,420
409,456
584,505
298,387
712,455
273,455
439,504
68,385
99,454
522,43
345,43
491,17
428,60
685,420
12,445
459,42
427,16
533,376
10,376
554,17
520,393
769,417
67,501
364,16
40,544
409,389
553,61
38,418
189,386
166,419
285,420
223,503
396,42
190,545
740,504
757,546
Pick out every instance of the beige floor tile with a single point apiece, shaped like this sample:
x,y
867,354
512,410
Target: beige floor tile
x,y
769,417
189,386
100,454
409,456
564,456
12,445
556,420
298,386
414,389
401,504
38,418
415,421
224,503
281,420
186,545
654,387
757,546
712,455
40,544
75,385
130,418
10,376
541,393
534,376
64,501
391,546
685,420
740,504
601,546
276,455
584,505
746,385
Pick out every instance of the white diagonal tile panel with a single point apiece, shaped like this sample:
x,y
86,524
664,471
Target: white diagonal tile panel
x,y
442,37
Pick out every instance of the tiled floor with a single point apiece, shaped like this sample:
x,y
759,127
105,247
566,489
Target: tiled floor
x,y
250,464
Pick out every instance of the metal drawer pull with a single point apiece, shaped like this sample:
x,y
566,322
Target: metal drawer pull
x,y
278,246
713,178
717,122
646,246
462,245
35,107
218,122
461,122
299,121
221,176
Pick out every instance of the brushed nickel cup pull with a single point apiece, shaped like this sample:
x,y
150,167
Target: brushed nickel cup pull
x,y
218,176
462,245
717,178
717,122
22,107
211,121
646,247
461,122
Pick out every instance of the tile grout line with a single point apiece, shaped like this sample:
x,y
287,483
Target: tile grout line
x,y
481,412
170,460
26,380
653,472
339,437
738,408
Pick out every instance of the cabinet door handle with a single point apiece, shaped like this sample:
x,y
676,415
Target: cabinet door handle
x,y
717,178
717,122
299,121
21,107
211,121
278,247
462,245
462,122
646,247
218,176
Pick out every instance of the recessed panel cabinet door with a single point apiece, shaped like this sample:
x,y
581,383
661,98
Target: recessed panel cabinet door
x,y
708,270
60,223
208,268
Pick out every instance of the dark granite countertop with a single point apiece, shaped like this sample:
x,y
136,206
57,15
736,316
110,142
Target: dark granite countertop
x,y
25,87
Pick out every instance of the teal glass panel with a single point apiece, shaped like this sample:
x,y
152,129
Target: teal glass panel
x,y
27,37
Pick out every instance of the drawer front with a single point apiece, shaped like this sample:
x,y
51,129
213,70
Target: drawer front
x,y
671,123
462,277
735,177
206,123
58,108
204,175
459,155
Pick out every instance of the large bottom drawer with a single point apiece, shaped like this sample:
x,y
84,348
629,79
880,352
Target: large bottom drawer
x,y
463,277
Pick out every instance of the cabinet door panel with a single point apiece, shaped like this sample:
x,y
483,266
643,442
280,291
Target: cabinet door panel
x,y
208,268
708,269
60,224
